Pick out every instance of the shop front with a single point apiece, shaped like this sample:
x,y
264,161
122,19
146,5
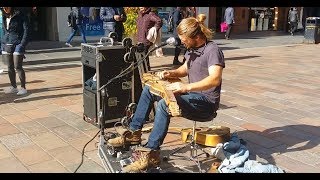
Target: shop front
x,y
263,18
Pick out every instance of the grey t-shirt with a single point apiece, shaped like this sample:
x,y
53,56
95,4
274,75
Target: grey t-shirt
x,y
199,60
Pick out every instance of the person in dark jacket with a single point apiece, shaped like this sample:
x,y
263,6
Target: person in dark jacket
x,y
179,14
145,21
75,20
113,19
16,33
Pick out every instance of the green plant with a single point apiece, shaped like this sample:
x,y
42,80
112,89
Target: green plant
x,y
130,26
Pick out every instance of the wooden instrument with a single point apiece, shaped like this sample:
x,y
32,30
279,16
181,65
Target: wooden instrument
x,y
158,87
207,136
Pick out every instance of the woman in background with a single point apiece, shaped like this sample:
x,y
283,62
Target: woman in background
x,y
15,30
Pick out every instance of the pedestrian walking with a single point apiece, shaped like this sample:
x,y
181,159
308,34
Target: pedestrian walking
x,y
75,20
16,33
293,20
145,21
113,19
229,19
179,14
155,37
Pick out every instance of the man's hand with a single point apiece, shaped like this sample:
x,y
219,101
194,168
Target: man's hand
x,y
164,74
178,87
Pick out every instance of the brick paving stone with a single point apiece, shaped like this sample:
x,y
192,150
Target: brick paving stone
x,y
87,166
267,109
32,154
309,121
34,114
76,108
6,110
51,166
16,141
80,124
93,155
12,165
65,115
4,152
294,165
8,129
31,128
23,106
17,118
51,122
62,102
66,155
50,108
3,121
48,140
79,144
67,132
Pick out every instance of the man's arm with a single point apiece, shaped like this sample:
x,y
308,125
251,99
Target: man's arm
x,y
214,79
232,14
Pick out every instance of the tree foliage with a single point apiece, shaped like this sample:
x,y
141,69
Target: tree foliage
x,y
130,26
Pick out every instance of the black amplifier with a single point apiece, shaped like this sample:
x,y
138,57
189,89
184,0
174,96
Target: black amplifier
x,y
106,61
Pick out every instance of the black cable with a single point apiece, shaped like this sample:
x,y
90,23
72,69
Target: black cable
x,y
82,153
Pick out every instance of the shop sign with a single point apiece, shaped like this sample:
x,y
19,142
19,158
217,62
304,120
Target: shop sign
x,y
92,24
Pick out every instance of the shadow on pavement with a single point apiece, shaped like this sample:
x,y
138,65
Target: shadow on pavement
x,y
52,50
43,97
55,60
290,138
240,58
222,106
48,68
29,82
9,98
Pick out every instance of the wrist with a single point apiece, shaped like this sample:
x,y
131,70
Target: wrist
x,y
189,88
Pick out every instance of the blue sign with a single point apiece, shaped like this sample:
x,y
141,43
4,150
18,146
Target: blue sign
x,y
92,24
164,15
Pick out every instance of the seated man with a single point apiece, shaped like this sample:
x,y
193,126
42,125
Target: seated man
x,y
199,98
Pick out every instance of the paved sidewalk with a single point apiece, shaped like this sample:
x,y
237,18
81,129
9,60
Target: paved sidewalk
x,y
270,98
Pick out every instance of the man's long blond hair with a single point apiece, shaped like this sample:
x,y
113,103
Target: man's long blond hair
x,y
192,27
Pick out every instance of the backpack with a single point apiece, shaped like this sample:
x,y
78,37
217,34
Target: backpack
x,y
72,20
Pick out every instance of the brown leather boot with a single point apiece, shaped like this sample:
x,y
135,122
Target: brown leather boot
x,y
146,159
126,138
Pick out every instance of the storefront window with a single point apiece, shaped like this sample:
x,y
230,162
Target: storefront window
x,y
262,18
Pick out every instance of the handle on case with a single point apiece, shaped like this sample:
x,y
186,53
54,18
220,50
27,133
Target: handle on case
x,y
106,40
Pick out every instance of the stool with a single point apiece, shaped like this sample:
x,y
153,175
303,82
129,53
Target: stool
x,y
194,147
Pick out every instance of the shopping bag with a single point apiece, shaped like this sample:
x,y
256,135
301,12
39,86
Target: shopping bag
x,y
223,27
